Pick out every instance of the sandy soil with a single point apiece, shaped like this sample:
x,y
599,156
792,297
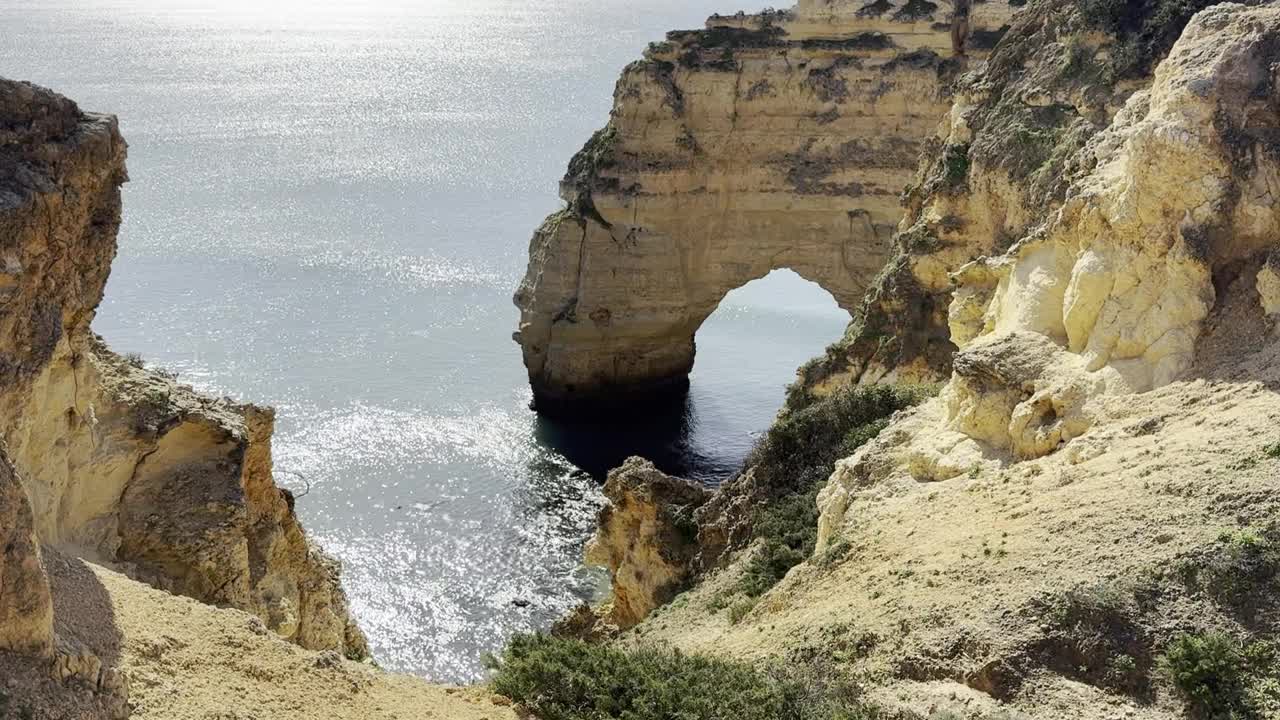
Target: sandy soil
x,y
188,661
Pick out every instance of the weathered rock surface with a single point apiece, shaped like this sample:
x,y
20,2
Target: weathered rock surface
x,y
113,462
998,167
780,140
26,611
1110,293
646,537
1088,260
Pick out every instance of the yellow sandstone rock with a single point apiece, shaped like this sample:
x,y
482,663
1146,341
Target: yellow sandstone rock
x,y
779,140
110,461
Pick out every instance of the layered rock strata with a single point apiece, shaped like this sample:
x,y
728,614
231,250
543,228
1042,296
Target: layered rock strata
x,y
1111,293
1001,165
778,140
111,461
1093,241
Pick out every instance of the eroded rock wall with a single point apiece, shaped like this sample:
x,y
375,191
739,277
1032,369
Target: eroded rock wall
x,y
26,610
117,463
1111,294
1095,483
997,169
779,140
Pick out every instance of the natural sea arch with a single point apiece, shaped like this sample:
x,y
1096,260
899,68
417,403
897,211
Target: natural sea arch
x,y
610,311
748,352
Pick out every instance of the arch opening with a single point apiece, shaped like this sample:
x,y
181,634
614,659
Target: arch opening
x,y
747,352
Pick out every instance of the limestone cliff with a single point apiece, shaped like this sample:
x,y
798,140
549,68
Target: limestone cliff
x,y
1169,208
106,460
778,140
1092,242
1000,165
26,612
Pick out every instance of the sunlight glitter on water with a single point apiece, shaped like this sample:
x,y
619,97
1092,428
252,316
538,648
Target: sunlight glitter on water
x,y
444,561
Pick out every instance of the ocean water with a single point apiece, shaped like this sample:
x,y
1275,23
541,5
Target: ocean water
x,y
328,211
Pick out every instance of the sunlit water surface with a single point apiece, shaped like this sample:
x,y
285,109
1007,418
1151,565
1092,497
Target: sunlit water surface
x,y
328,210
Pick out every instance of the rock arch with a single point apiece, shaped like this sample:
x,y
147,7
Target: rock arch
x,y
762,142
619,325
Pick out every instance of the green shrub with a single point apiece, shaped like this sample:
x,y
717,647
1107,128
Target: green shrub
x,y
1145,30
793,461
565,679
803,445
956,166
1220,677
739,610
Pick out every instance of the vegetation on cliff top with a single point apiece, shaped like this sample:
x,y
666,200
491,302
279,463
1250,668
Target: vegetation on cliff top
x,y
564,679
1145,30
794,460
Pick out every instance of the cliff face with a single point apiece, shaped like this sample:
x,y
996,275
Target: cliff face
x,y
780,140
26,611
1167,212
113,462
1002,163
1093,238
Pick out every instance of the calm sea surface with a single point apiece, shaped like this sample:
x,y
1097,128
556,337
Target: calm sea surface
x,y
328,211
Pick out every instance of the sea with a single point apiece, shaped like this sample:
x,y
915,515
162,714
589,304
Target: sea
x,y
329,207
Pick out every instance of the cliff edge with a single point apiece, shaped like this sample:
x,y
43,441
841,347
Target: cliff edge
x,y
1076,516
103,459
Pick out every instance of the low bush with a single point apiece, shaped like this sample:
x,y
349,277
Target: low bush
x,y
1145,30
793,461
1221,677
955,165
565,679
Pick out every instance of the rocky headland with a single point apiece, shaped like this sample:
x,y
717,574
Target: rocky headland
x,y
113,478
776,140
1037,477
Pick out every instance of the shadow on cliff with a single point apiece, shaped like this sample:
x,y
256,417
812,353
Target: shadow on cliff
x,y
82,610
664,436
88,644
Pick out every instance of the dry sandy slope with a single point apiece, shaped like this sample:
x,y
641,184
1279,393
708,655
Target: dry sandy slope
x,y
188,661
950,579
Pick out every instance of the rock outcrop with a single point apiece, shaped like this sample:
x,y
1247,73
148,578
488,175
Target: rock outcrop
x,y
26,610
1021,132
778,140
646,537
1110,294
1087,261
110,461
